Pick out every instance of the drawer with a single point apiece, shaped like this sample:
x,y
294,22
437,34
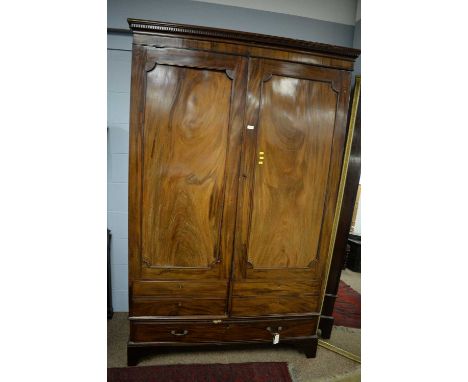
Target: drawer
x,y
275,288
215,290
222,332
264,330
176,332
246,307
178,307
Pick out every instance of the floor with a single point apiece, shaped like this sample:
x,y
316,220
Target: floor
x,y
326,367
353,279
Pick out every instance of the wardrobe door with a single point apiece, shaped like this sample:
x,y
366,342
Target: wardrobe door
x,y
187,109
290,171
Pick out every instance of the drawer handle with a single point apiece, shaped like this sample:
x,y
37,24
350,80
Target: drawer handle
x,y
275,334
274,331
174,333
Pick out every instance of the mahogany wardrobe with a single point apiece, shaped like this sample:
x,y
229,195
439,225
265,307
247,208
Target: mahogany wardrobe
x,y
237,143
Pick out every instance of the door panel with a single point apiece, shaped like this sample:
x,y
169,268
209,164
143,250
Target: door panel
x,y
184,159
186,129
290,177
295,131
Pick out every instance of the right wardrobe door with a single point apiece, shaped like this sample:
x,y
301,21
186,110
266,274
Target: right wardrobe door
x,y
292,154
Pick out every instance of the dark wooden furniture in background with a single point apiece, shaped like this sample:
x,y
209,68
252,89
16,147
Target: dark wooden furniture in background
x,y
353,255
347,208
236,148
110,310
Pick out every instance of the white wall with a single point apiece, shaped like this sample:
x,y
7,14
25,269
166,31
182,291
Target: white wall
x,y
118,85
357,223
118,101
336,11
229,17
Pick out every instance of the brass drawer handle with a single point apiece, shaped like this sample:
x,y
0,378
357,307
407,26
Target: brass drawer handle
x,y
275,334
274,331
174,333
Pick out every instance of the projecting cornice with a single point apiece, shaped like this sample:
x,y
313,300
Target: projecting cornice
x,y
147,26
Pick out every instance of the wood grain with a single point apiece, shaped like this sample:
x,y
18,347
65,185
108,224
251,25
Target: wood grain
x,y
187,134
186,128
277,288
295,131
191,105
135,168
260,306
297,110
250,50
178,307
316,129
183,288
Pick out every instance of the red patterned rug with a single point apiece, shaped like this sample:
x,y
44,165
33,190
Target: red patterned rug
x,y
216,372
347,310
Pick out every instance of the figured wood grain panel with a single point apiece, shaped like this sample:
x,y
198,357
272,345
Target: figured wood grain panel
x,y
185,143
295,133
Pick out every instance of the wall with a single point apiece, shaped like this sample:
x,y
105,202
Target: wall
x,y
118,102
198,13
228,17
357,70
338,11
357,223
357,37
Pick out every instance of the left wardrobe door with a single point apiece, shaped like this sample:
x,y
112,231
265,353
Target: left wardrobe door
x,y
185,134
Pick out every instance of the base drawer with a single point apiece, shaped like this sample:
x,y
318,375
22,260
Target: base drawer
x,y
221,332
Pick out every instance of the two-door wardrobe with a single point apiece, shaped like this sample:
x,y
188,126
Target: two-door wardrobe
x,y
236,150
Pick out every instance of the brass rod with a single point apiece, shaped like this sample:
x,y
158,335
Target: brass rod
x,y
339,351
